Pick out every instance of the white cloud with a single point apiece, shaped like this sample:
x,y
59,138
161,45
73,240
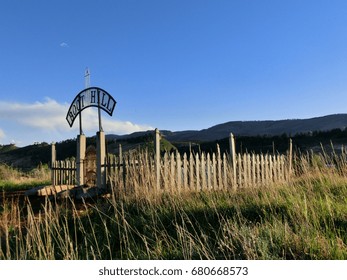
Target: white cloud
x,y
48,119
64,45
2,134
43,115
109,125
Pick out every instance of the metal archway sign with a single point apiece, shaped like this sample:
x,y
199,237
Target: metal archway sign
x,y
90,97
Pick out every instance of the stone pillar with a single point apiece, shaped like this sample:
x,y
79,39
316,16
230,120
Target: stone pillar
x,y
81,153
100,160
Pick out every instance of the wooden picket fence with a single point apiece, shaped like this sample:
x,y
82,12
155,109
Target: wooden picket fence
x,y
63,172
195,172
141,171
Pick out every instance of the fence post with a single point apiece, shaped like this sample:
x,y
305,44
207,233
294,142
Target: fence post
x,y
53,159
172,172
253,170
81,152
225,172
197,172
157,157
100,159
120,154
203,171
208,171
290,157
185,172
191,172
233,157
214,173
219,163
179,171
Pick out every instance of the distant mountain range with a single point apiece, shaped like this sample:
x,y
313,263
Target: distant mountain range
x,y
30,156
290,127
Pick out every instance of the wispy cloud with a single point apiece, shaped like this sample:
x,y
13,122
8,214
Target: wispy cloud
x,y
64,45
47,119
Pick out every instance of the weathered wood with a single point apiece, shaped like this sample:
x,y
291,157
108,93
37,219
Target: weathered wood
x,y
239,165
166,172
290,157
214,168
208,172
157,158
185,172
191,173
233,158
219,168
249,171
254,172
262,168
225,171
203,172
172,171
270,169
136,172
178,171
197,172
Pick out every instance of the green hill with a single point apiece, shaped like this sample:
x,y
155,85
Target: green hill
x,y
31,156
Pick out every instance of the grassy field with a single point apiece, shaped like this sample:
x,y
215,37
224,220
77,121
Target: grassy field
x,y
12,179
303,219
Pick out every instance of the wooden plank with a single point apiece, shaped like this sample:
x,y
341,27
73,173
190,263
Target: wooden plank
x,y
178,171
197,172
191,172
214,170
208,171
185,172
225,172
203,172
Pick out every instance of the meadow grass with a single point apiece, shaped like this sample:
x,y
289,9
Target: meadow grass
x,y
305,218
12,179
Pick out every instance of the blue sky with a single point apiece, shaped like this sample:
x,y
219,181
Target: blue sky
x,y
174,65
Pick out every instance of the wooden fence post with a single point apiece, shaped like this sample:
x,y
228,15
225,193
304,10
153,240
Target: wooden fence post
x,y
53,159
166,171
239,164
191,172
197,172
208,171
100,160
219,164
290,157
233,157
178,171
157,158
172,172
225,172
214,168
185,172
203,172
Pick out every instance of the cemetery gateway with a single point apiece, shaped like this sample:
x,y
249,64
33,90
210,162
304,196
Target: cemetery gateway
x,y
90,97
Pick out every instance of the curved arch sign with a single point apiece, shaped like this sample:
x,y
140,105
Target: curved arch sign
x,y
90,97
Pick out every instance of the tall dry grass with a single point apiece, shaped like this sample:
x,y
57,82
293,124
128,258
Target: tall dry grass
x,y
14,179
304,218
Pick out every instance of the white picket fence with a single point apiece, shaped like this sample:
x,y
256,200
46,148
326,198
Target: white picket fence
x,y
63,172
141,171
195,172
